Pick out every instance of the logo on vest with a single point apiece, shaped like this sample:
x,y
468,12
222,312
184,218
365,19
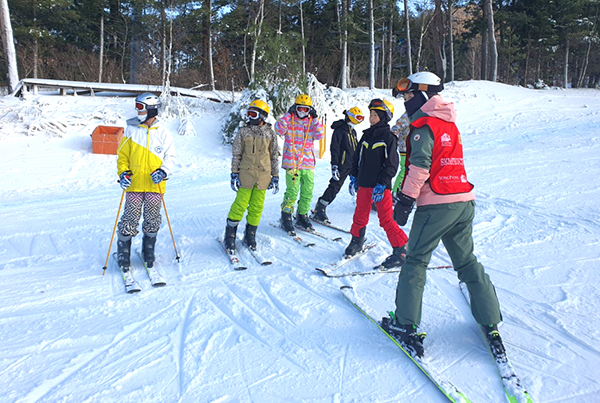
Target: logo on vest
x,y
463,178
417,137
158,150
446,140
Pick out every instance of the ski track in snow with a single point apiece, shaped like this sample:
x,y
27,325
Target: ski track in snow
x,y
284,332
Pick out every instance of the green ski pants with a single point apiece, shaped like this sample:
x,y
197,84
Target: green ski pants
x,y
452,224
252,200
304,182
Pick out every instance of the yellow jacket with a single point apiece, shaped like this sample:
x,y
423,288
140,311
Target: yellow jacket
x,y
142,150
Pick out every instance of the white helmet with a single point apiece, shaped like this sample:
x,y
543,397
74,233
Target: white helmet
x,y
424,81
147,105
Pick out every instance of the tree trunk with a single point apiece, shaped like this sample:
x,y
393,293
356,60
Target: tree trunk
x,y
209,49
9,46
451,40
371,46
390,63
302,36
438,40
566,68
585,65
492,50
408,47
485,60
101,56
258,21
135,63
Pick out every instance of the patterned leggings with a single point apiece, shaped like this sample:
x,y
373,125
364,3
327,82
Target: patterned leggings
x,y
134,202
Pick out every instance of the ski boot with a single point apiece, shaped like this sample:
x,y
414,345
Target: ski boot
x,y
124,250
396,259
356,244
148,243
230,234
406,335
495,341
250,236
303,221
287,224
319,213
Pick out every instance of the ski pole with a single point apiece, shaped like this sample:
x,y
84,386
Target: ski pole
x,y
113,234
168,221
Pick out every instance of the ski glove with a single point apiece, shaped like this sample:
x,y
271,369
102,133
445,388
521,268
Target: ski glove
x,y
158,176
335,173
403,207
274,184
235,181
378,192
353,186
125,179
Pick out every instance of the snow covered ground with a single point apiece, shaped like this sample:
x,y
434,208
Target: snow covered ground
x,y
284,333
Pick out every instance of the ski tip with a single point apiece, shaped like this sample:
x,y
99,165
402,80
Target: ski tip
x,y
346,287
134,291
241,268
323,272
267,263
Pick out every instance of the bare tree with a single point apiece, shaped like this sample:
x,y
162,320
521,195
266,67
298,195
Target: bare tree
x,y
209,49
258,21
9,46
371,46
302,36
101,56
408,47
345,69
439,40
492,50
450,40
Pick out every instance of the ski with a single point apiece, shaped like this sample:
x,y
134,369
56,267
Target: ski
x,y
156,279
329,224
131,286
293,236
513,388
342,261
233,257
260,259
376,270
319,234
439,380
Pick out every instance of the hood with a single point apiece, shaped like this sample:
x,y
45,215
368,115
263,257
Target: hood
x,y
339,124
438,108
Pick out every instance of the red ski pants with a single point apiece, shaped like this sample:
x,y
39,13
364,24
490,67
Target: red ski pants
x,y
385,212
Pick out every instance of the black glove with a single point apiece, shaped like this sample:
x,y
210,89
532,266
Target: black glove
x,y
313,113
403,207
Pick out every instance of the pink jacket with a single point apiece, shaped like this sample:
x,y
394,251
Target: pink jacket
x,y
299,135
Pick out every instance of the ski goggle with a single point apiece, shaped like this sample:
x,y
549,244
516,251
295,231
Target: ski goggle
x,y
302,109
404,85
357,118
140,106
252,114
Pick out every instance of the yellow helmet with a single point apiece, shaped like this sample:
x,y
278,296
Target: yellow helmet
x,y
382,105
355,115
303,100
260,106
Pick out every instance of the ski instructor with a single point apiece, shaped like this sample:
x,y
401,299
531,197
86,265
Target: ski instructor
x,y
145,158
437,181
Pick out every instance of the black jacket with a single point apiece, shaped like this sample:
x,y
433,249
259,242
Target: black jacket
x,y
343,145
377,158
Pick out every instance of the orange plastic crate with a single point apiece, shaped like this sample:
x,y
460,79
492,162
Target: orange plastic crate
x,y
106,139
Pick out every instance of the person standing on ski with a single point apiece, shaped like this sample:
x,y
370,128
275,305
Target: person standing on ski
x,y
300,128
437,181
254,170
373,169
145,158
343,148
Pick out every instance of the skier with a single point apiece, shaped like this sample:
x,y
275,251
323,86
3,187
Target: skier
x,y
437,181
373,169
401,130
300,129
146,157
343,148
254,169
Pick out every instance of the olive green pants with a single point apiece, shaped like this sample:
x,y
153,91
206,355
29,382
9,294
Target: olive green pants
x,y
453,225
